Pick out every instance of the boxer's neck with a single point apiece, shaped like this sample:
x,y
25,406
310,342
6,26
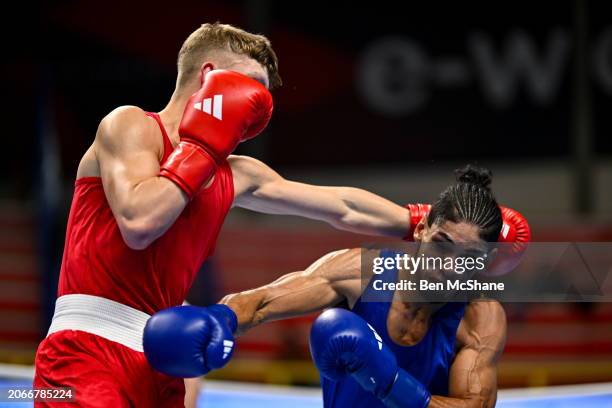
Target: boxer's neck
x,y
173,112
412,303
408,323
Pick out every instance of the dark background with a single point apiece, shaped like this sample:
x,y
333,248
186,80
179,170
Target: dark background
x,y
453,81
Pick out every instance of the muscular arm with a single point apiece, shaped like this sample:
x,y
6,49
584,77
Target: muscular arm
x,y
327,282
261,189
127,149
473,375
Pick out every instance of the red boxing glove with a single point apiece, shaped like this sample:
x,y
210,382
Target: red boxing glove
x,y
515,230
514,237
229,109
417,212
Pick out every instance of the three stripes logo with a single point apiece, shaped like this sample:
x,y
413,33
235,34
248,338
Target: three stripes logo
x,y
213,106
505,230
379,341
377,336
227,346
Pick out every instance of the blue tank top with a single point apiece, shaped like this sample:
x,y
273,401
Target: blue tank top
x,y
428,361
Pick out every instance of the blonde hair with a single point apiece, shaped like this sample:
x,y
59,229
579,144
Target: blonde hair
x,y
212,37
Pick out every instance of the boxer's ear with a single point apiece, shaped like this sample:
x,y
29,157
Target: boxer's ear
x,y
205,69
419,230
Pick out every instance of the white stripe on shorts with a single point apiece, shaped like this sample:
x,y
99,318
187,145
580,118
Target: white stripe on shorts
x,y
106,318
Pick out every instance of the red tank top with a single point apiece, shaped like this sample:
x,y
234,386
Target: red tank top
x,y
97,261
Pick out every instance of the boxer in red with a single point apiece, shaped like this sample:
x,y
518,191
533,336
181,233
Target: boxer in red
x,y
151,194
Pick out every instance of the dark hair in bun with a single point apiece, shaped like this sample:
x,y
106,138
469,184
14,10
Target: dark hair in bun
x,y
471,174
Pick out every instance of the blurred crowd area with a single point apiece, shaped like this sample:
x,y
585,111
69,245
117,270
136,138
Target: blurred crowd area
x,y
384,97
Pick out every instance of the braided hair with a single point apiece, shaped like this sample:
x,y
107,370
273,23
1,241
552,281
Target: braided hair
x,y
469,200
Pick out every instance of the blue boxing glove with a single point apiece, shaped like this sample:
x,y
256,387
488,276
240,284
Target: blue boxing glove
x,y
190,341
405,392
342,343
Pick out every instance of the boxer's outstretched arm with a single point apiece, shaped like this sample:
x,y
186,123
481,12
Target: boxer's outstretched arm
x,y
473,375
259,188
127,148
330,280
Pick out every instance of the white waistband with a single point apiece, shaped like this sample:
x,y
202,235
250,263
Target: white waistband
x,y
103,317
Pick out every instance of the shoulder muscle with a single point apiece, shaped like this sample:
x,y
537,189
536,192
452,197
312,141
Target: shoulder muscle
x,y
343,270
126,128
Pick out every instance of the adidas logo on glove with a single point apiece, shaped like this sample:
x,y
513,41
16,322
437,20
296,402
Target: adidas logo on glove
x,y
227,347
213,106
377,336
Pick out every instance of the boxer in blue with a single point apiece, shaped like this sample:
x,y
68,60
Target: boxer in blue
x,y
386,353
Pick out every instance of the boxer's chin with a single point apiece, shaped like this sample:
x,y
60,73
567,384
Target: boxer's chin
x,y
435,276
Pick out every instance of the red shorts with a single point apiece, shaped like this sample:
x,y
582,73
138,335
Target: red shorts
x,y
103,373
